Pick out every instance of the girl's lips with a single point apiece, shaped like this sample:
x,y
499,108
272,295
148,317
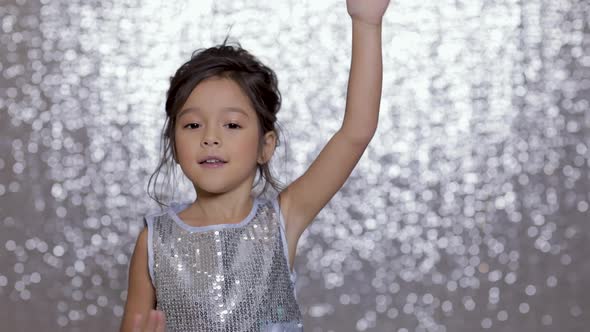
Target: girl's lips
x,y
212,165
211,157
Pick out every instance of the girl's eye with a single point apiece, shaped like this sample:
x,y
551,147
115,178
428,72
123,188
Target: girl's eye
x,y
233,126
192,125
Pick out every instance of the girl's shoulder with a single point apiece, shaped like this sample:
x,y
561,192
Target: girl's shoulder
x,y
154,213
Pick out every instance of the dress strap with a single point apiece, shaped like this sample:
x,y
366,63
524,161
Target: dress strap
x,y
276,205
149,221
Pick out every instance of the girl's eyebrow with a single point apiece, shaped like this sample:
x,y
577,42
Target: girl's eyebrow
x,y
226,109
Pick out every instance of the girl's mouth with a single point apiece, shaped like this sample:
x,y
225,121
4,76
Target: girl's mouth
x,y
212,163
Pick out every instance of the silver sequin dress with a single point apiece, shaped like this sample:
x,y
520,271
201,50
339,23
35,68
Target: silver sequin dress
x,y
224,277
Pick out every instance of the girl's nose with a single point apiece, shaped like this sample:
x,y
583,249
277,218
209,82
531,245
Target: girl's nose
x,y
209,141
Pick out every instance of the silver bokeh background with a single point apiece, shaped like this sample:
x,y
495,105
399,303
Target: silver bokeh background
x,y
469,211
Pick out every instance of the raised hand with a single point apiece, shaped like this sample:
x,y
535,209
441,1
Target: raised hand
x,y
367,11
155,322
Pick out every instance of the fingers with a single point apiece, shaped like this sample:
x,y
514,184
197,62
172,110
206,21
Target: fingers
x,y
152,321
161,322
155,322
137,323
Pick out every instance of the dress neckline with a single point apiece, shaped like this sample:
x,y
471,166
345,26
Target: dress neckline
x,y
176,208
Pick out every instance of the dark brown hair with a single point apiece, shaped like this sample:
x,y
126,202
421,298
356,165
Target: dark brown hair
x,y
256,80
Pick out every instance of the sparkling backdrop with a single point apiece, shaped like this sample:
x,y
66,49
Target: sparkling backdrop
x,y
469,211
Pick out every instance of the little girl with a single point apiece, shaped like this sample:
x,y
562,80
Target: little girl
x,y
225,261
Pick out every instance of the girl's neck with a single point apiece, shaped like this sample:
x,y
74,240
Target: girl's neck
x,y
213,209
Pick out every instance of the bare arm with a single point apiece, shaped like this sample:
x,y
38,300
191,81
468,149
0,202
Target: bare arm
x,y
363,96
141,298
302,200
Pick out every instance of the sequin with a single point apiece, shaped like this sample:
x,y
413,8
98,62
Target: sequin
x,y
230,284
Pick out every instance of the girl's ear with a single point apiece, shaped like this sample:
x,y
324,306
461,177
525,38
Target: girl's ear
x,y
269,142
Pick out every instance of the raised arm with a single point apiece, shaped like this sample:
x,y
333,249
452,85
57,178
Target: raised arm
x,y
302,200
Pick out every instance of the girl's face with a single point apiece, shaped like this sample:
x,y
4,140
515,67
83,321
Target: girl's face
x,y
218,122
